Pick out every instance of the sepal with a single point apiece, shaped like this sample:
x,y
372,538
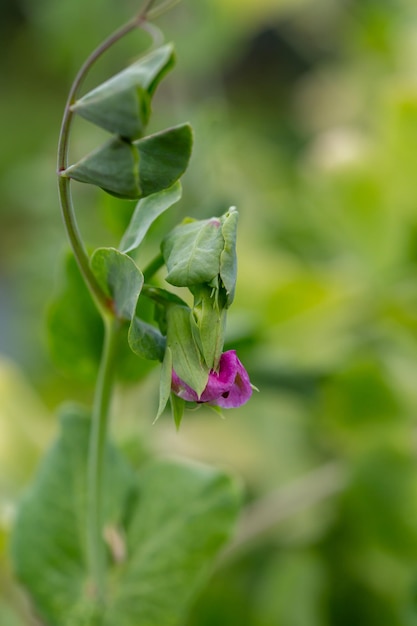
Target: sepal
x,y
187,361
208,323
177,408
165,383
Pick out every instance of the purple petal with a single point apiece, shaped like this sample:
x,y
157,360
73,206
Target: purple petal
x,y
221,382
228,388
239,391
181,389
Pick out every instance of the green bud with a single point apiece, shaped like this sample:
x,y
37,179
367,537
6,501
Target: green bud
x,y
122,104
203,252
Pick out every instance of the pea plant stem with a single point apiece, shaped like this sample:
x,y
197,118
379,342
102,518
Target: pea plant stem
x,y
96,459
96,550
67,207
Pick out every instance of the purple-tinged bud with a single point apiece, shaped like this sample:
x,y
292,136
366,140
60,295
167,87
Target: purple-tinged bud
x,y
228,388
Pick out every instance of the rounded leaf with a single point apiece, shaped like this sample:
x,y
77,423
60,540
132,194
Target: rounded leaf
x,y
163,158
139,169
122,104
146,212
114,167
120,279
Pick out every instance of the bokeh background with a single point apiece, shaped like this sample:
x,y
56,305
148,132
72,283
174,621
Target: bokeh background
x,y
305,118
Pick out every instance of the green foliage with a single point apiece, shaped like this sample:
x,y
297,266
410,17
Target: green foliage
x,y
170,520
135,170
321,165
192,252
146,212
203,251
114,167
146,340
163,158
75,333
184,515
122,104
186,357
49,531
228,260
120,279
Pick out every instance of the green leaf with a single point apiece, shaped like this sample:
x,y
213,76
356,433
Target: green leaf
x,y
48,544
163,296
146,212
75,331
192,252
184,515
164,157
146,340
120,279
122,104
130,367
186,358
114,167
75,334
163,531
139,169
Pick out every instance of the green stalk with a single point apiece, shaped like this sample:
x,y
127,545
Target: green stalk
x,y
67,208
96,549
96,459
100,414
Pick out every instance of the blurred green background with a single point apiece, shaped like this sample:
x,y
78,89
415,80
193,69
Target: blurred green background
x,y
305,118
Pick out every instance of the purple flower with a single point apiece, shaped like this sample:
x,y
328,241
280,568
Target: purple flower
x,y
229,388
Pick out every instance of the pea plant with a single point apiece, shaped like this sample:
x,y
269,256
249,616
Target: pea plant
x,y
95,541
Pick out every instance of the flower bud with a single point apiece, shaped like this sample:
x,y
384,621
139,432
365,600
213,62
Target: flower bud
x,y
201,252
228,388
201,255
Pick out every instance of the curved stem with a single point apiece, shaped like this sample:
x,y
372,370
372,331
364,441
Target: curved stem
x,y
96,459
96,552
67,208
77,245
